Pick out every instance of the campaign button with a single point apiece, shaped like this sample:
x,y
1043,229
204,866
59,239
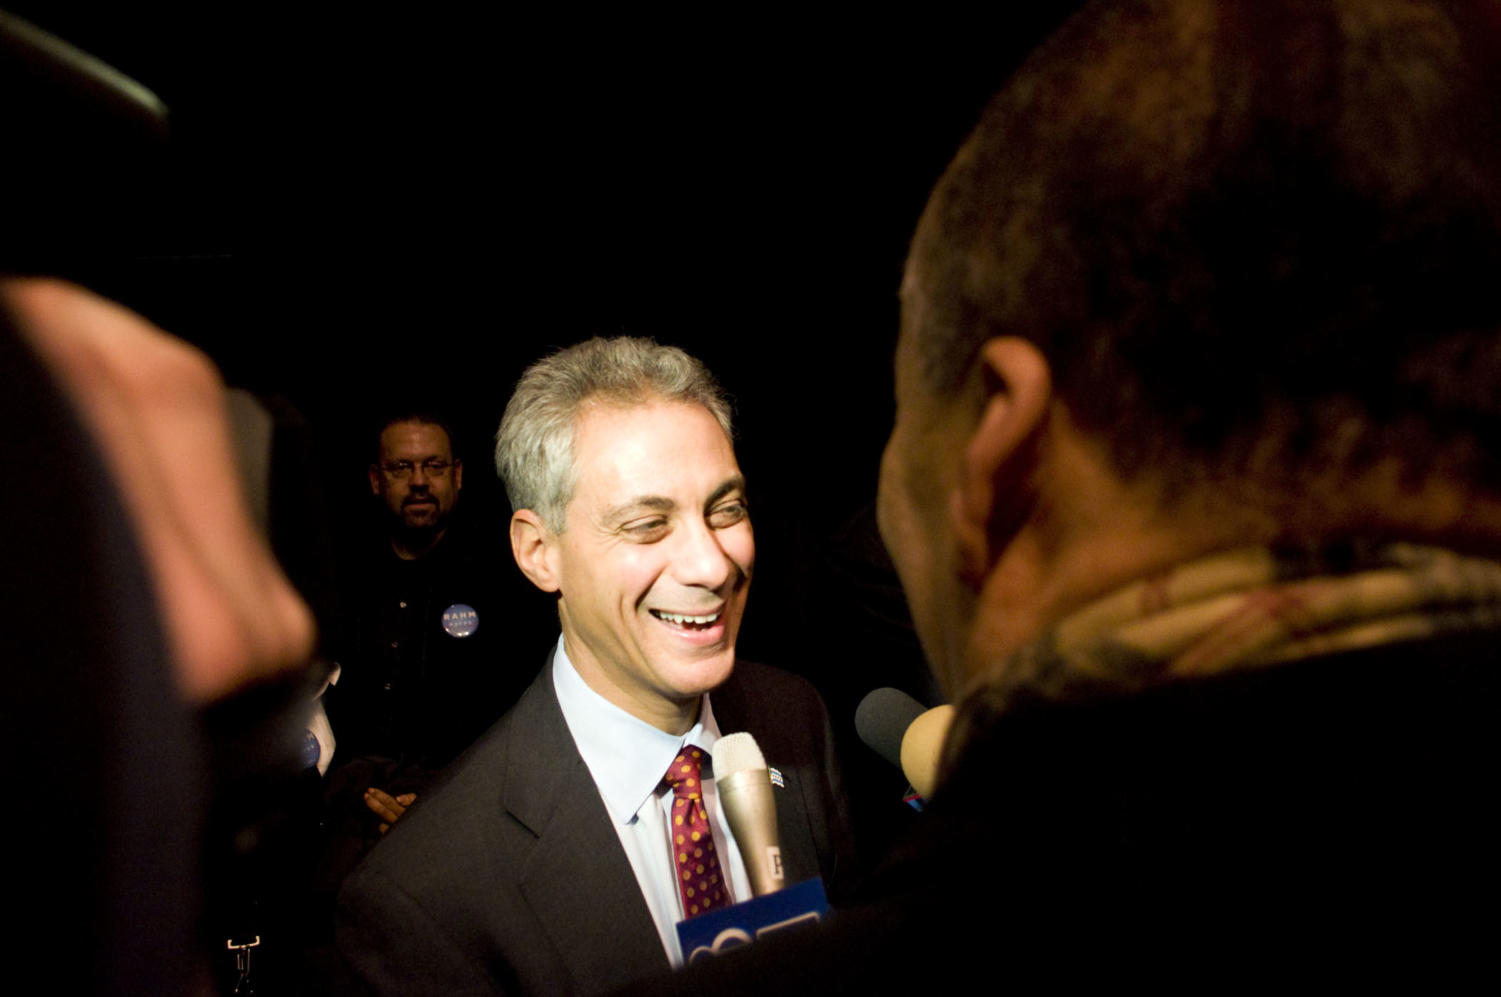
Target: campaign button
x,y
460,620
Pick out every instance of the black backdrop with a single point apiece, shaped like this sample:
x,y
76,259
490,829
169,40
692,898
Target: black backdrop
x,y
358,207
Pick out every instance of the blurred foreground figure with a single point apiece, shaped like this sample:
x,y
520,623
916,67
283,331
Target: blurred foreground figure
x,y
1194,493
137,592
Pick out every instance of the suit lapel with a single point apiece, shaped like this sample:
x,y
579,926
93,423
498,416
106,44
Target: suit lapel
x,y
576,879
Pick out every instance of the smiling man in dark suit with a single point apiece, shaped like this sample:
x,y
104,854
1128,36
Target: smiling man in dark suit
x,y
558,858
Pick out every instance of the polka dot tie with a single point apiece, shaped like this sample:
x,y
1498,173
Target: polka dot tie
x,y
699,881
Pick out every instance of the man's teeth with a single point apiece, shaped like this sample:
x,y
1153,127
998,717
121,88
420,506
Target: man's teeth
x,y
680,618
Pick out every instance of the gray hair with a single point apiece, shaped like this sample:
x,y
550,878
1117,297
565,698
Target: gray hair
x,y
534,445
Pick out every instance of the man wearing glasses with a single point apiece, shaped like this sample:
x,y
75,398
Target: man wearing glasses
x,y
424,668
418,479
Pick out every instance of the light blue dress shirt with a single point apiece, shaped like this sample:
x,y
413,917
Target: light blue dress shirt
x,y
627,758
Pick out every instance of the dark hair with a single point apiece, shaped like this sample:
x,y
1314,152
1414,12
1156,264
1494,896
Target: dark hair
x,y
1253,237
389,419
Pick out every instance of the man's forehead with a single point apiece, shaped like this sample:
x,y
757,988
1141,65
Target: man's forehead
x,y
652,453
410,436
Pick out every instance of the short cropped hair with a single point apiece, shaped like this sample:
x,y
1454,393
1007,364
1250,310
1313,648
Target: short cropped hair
x,y
1255,239
427,416
534,445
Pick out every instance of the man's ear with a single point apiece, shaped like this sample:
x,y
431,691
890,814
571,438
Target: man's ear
x,y
374,480
531,541
994,492
458,474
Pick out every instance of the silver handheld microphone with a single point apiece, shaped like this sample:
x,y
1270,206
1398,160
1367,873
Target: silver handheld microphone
x,y
744,788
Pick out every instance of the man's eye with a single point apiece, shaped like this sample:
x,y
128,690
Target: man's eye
x,y
646,529
728,514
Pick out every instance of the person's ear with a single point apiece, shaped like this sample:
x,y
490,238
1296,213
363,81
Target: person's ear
x,y
374,480
458,474
995,490
532,546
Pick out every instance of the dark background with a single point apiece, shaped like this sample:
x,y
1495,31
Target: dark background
x,y
359,209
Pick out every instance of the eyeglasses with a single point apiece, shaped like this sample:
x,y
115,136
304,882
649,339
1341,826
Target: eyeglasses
x,y
402,469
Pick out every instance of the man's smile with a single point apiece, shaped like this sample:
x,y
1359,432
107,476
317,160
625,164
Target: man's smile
x,y
688,621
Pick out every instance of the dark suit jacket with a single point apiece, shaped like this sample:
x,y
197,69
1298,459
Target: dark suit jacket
x,y
510,877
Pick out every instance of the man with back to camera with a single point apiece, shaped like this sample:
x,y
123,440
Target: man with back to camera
x,y
1194,494
555,858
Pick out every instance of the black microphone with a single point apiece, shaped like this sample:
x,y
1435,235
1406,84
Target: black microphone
x,y
882,719
905,733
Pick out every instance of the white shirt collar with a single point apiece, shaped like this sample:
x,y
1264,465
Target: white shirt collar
x,y
627,757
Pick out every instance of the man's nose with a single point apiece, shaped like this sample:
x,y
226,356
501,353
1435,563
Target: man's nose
x,y
701,560
419,476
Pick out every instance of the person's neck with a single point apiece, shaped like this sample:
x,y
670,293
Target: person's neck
x,y
1036,584
1087,534
672,716
1099,534
409,546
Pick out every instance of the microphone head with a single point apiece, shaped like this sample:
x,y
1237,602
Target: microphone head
x,y
882,720
922,746
736,753
744,788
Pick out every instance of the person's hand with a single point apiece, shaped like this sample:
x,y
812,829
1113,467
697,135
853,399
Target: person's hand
x,y
155,408
387,807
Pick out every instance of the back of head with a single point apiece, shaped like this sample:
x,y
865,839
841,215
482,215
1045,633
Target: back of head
x,y
1255,239
534,445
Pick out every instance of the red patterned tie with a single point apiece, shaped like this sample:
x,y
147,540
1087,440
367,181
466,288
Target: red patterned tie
x,y
699,881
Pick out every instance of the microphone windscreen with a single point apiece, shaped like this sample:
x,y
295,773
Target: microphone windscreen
x,y
736,753
923,745
882,720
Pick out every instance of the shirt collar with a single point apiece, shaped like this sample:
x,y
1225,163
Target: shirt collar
x,y
626,756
